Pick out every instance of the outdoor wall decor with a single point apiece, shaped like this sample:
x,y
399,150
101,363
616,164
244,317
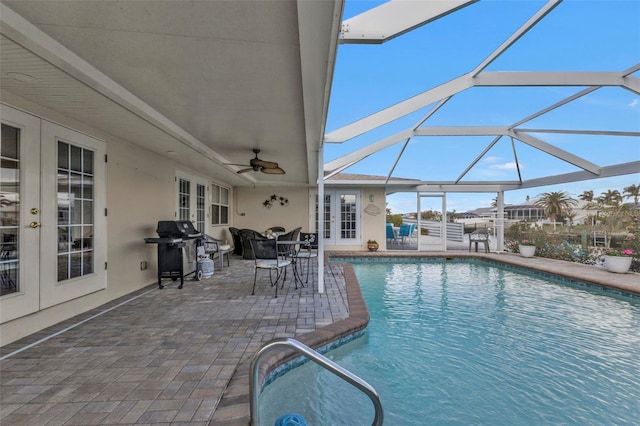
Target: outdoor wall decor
x,y
274,199
372,210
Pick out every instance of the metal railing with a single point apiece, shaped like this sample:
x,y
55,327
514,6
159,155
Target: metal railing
x,y
319,359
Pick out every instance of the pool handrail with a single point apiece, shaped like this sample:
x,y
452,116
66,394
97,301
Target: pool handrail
x,y
319,359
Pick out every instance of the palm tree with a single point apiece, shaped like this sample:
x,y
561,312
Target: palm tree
x,y
587,196
611,198
554,204
632,191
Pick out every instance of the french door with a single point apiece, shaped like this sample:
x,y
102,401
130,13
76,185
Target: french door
x,y
192,202
52,214
341,215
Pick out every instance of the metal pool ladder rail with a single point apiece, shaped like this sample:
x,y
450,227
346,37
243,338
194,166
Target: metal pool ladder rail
x,y
319,359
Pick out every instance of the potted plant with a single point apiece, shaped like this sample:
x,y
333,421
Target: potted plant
x,y
527,248
372,245
618,261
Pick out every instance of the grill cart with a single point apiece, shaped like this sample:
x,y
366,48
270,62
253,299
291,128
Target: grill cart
x,y
177,245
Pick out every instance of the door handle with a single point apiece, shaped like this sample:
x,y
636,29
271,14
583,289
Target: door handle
x,y
34,225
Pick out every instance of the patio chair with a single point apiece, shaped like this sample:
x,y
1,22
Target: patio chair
x,y
413,233
405,232
245,236
237,242
288,250
213,246
479,236
310,251
391,235
266,257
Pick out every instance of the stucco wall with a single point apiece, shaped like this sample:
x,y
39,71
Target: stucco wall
x,y
373,217
249,211
140,191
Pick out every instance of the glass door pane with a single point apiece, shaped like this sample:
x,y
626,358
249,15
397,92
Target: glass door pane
x,y
348,217
200,207
9,210
184,200
75,211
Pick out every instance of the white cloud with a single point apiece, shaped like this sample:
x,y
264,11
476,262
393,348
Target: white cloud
x,y
491,159
633,104
504,166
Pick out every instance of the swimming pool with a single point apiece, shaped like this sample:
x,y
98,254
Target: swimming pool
x,y
465,342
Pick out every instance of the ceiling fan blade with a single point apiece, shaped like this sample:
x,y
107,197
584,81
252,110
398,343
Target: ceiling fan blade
x,y
265,164
250,169
273,171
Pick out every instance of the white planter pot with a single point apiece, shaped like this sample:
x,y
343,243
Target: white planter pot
x,y
618,264
527,251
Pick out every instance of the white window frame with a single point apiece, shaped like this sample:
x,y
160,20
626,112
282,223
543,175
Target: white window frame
x,y
217,203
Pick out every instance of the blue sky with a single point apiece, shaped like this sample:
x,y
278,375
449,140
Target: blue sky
x,y
578,35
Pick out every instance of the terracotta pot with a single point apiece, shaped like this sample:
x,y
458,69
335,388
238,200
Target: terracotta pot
x,y
372,247
617,264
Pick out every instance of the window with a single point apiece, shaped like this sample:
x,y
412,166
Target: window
x,y
219,205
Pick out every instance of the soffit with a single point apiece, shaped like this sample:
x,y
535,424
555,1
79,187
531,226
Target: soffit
x,y
208,80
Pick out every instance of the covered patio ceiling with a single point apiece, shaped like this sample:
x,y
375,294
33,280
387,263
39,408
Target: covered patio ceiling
x,y
501,120
200,82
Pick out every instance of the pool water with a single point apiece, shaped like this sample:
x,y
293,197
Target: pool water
x,y
459,343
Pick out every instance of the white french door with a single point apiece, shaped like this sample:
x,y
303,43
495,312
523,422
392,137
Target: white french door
x,y
19,207
341,215
52,214
193,200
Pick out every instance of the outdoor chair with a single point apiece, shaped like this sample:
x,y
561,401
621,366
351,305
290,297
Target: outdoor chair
x,y
405,232
245,236
391,235
213,246
310,251
237,242
479,236
288,250
266,257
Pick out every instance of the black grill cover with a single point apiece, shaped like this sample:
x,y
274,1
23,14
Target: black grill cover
x,y
177,229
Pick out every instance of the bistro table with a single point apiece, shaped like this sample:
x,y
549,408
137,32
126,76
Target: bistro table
x,y
292,252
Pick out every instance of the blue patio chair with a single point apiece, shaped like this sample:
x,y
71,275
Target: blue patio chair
x,y
405,232
391,235
412,232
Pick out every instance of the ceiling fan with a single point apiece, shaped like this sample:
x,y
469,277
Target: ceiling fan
x,y
258,165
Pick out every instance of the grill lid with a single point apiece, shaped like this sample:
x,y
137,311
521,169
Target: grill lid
x,y
177,229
